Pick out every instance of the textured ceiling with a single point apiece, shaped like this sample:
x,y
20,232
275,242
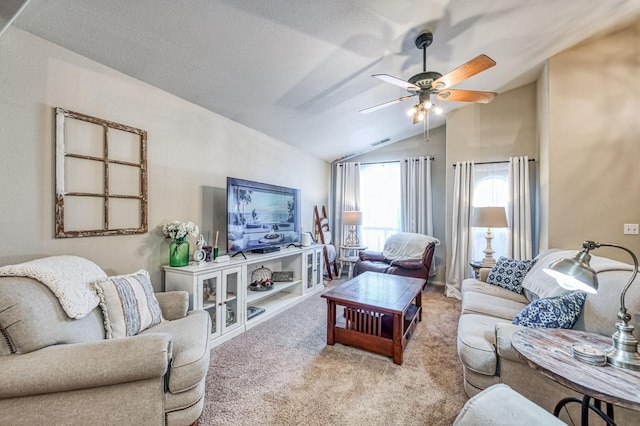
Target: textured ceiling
x,y
300,71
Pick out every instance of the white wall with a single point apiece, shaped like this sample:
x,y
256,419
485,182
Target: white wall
x,y
594,142
188,148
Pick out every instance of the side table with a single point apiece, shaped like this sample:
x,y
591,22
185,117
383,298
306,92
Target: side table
x,y
349,255
476,266
548,350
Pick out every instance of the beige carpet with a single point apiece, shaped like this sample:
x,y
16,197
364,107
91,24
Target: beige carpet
x,y
281,372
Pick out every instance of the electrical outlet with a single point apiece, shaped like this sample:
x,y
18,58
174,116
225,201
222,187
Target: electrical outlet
x,y
631,229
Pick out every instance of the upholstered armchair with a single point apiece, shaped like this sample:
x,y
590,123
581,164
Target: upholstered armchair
x,y
404,253
57,369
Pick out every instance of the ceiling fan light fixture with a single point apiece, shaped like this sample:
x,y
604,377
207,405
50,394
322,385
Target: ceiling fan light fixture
x,y
427,83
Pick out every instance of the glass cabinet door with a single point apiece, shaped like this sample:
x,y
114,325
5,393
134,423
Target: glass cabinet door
x,y
317,268
310,270
231,305
210,300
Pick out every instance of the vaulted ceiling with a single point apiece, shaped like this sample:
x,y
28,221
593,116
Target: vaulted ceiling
x,y
300,71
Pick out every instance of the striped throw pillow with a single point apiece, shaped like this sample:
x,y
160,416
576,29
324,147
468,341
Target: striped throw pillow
x,y
128,304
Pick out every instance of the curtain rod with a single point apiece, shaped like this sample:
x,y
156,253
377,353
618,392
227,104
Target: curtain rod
x,y
498,162
386,162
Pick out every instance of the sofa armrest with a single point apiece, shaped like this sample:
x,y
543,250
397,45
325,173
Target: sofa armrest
x,y
375,256
504,331
174,304
408,263
61,368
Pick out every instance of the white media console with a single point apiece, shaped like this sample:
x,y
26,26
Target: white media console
x,y
222,289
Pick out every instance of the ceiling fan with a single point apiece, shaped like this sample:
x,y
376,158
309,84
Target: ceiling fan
x,y
427,83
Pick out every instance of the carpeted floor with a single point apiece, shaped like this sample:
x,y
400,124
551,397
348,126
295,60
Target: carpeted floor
x,y
281,372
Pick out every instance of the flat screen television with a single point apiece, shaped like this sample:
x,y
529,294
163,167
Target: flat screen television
x,y
261,215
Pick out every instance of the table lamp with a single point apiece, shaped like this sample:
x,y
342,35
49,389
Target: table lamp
x,y
577,274
489,217
352,219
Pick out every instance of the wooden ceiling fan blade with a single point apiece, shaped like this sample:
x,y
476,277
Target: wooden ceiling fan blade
x,y
396,81
386,104
476,65
466,96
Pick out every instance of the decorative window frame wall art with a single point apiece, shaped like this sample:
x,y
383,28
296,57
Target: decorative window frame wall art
x,y
101,177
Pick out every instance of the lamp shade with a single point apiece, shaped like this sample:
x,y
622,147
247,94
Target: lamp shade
x,y
351,218
574,274
489,217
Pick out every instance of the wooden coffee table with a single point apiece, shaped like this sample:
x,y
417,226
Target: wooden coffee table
x,y
380,312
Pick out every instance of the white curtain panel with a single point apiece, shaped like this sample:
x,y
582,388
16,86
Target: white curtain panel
x,y
519,243
461,236
417,198
347,197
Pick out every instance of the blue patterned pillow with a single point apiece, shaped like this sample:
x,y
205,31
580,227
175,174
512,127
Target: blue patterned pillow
x,y
509,273
552,312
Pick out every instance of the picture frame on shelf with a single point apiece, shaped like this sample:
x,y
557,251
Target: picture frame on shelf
x,y
282,276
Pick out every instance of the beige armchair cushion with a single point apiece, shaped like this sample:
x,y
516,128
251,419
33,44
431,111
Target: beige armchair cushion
x,y
26,311
499,405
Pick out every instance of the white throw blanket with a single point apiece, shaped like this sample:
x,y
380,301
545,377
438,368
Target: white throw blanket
x,y
406,245
70,278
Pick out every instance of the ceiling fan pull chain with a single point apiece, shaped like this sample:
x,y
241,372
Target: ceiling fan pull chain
x,y
425,127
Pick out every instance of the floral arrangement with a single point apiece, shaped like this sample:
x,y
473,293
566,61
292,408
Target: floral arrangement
x,y
178,231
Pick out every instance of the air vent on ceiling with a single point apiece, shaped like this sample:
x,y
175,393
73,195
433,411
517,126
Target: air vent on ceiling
x,y
380,142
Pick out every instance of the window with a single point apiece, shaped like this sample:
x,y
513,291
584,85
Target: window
x,y
379,202
490,188
101,177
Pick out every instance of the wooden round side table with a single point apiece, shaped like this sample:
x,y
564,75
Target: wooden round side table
x,y
548,350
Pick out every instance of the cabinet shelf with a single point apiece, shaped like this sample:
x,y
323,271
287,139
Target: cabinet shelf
x,y
272,306
253,296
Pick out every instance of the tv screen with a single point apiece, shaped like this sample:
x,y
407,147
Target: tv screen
x,y
261,215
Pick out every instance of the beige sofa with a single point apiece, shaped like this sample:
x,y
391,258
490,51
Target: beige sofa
x,y
58,370
485,327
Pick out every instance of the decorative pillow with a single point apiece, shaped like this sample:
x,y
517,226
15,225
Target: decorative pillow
x,y
552,312
509,273
128,304
538,284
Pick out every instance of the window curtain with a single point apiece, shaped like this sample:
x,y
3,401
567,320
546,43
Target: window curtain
x,y
519,243
346,197
417,198
461,237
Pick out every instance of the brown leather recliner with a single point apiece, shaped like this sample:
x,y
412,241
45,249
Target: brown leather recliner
x,y
400,256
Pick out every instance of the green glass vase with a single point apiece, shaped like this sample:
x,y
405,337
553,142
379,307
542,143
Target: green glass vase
x,y
179,252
